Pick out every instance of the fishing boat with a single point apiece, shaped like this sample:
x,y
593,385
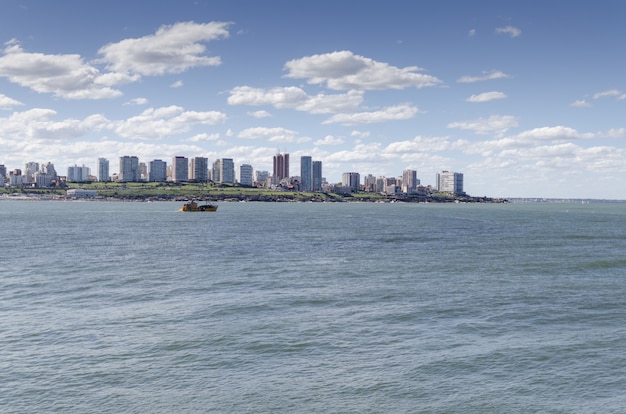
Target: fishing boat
x,y
192,206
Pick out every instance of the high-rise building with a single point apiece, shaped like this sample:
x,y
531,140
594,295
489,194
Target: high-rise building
x,y
306,173
129,169
245,174
29,172
3,174
158,171
351,180
180,169
224,170
78,174
103,170
409,181
199,169
316,184
50,170
450,182
281,166
260,177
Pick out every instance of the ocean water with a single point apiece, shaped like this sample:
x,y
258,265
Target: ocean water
x,y
110,307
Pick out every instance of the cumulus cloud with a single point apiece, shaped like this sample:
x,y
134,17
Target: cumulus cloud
x,y
329,140
137,101
344,70
176,84
495,124
360,134
66,76
392,113
509,30
172,49
260,114
164,122
204,137
272,134
41,126
494,74
8,103
486,97
295,98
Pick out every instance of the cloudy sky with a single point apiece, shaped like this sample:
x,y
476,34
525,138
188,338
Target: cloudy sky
x,y
526,98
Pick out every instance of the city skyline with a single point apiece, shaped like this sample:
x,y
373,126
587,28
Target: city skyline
x,y
526,98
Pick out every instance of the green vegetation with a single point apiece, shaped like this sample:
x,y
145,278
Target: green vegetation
x,y
226,192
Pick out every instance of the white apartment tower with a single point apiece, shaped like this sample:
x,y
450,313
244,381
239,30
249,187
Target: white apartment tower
x,y
103,170
450,182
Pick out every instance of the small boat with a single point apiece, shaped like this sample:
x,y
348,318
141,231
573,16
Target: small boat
x,y
192,206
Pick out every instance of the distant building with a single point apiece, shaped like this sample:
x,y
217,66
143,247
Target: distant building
x,y
158,171
199,169
245,174
260,177
224,170
318,180
49,169
78,174
351,180
369,183
306,173
409,181
129,169
450,182
81,193
29,172
43,180
180,169
3,174
15,178
103,170
281,166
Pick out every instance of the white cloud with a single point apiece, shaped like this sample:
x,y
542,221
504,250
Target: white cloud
x,y
360,134
494,74
163,122
66,76
177,84
495,124
260,114
172,49
486,97
204,137
472,33
346,71
581,103
329,140
272,134
295,98
8,103
509,30
612,92
137,101
392,113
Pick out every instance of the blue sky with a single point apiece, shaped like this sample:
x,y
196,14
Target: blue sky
x,y
525,98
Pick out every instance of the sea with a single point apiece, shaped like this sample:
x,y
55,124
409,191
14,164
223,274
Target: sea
x,y
134,307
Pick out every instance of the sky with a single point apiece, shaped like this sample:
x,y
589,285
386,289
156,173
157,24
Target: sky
x,y
525,98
